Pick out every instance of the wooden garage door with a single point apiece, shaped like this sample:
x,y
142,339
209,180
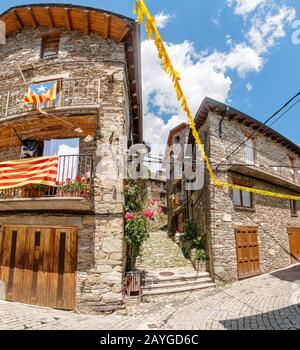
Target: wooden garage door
x,y
38,265
294,238
247,252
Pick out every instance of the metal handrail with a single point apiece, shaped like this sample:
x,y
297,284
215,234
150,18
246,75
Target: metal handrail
x,y
74,179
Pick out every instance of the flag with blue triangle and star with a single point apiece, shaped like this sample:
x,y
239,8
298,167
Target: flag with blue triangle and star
x,y
41,92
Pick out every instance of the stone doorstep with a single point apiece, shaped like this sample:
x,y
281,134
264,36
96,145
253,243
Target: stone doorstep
x,y
175,277
192,282
164,291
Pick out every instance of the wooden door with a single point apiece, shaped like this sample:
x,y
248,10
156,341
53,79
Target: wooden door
x,y
247,251
38,265
294,238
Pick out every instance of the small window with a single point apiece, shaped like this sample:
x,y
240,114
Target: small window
x,y
242,199
291,163
294,209
50,46
249,151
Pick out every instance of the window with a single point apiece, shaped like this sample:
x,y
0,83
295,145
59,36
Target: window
x,y
242,199
294,209
50,46
291,163
250,151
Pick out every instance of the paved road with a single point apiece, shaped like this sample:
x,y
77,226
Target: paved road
x,y
266,302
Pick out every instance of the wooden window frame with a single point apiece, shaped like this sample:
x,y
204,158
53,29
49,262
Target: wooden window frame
x,y
253,140
241,206
291,164
50,38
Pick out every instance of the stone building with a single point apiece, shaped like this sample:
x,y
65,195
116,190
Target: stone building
x,y
66,249
173,163
246,234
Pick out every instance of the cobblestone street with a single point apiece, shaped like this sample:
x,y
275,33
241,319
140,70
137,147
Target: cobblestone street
x,y
264,302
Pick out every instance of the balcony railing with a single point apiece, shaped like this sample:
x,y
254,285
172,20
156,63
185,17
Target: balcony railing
x,y
71,92
74,179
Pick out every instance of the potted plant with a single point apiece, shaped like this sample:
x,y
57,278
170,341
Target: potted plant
x,y
33,190
200,260
76,187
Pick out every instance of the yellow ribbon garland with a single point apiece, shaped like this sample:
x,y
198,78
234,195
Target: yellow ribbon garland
x,y
142,12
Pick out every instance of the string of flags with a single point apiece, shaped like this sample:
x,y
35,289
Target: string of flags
x,y
142,12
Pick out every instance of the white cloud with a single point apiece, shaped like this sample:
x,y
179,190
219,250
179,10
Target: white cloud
x,y
162,19
244,7
268,28
249,87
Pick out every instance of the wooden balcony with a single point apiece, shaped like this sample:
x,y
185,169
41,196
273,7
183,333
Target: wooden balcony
x,y
280,177
71,93
73,190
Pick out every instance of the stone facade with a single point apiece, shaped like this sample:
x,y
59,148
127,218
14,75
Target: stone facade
x,y
101,232
213,209
174,158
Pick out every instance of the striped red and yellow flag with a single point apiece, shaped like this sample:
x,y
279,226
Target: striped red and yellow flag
x,y
16,173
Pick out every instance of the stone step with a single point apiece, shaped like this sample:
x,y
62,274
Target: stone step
x,y
162,291
176,283
186,277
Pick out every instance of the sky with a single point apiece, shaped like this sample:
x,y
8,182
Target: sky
x,y
239,52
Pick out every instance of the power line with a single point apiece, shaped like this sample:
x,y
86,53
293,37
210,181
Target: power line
x,y
265,123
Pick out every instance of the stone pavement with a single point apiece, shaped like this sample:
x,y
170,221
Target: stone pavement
x,y
160,251
266,302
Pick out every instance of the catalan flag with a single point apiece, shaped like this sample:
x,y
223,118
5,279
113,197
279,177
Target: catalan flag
x,y
43,92
17,173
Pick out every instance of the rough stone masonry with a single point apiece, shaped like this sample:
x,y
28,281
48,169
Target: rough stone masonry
x,y
101,233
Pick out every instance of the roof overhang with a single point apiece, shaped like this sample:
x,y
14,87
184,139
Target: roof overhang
x,y
107,24
210,105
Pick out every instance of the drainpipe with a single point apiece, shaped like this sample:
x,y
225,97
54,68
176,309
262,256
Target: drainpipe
x,y
221,121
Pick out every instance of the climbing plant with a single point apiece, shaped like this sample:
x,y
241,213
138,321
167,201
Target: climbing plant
x,y
136,221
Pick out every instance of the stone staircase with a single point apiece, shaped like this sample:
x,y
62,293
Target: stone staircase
x,y
165,270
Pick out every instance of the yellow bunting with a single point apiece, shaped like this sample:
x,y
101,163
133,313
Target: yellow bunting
x,y
142,12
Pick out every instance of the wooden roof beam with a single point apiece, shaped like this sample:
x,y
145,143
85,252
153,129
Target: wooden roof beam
x,y
32,17
18,19
87,21
68,19
50,16
107,27
125,32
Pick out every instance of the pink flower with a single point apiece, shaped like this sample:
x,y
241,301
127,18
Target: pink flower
x,y
128,216
126,187
148,214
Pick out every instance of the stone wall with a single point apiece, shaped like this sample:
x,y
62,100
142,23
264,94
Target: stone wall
x,y
270,215
101,234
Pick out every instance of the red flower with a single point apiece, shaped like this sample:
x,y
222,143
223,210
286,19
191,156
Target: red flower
x,y
128,216
160,210
68,179
148,214
78,178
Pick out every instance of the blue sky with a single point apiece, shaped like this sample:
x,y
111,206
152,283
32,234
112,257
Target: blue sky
x,y
237,51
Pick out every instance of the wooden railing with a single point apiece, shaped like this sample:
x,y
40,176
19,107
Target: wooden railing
x,y
74,179
72,92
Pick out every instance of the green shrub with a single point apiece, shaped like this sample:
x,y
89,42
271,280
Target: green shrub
x,y
201,255
191,239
